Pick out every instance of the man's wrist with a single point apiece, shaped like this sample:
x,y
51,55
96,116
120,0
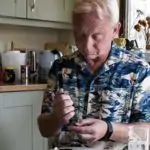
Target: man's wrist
x,y
120,132
109,131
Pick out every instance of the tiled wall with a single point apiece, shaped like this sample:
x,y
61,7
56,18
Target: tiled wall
x,y
30,37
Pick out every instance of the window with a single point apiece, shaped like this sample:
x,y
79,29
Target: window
x,y
135,10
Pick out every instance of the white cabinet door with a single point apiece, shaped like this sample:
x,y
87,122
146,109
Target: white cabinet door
x,y
7,7
13,8
20,8
51,10
18,121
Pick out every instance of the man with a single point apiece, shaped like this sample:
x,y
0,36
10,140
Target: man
x,y
97,93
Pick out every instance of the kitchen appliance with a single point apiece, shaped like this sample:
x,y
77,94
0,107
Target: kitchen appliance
x,y
45,61
14,59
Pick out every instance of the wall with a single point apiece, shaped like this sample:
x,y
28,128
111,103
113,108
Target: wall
x,y
30,37
66,36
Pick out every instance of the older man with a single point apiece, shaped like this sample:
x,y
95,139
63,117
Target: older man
x,y
94,95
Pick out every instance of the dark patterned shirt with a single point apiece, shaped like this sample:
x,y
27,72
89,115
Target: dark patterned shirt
x,y
119,92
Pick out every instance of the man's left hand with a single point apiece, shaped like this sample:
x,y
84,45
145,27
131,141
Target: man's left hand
x,y
90,130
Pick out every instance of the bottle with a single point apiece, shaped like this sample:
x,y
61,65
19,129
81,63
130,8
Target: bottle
x,y
31,62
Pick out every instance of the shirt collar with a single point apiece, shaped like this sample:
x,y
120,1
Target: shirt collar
x,y
112,59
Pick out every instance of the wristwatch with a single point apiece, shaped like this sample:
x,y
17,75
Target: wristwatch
x,y
109,131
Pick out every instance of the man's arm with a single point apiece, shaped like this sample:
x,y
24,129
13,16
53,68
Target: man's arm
x,y
92,130
121,131
47,122
51,121
140,113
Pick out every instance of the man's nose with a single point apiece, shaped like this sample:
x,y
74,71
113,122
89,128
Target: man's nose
x,y
89,45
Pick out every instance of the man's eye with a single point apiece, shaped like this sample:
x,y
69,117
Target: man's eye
x,y
97,36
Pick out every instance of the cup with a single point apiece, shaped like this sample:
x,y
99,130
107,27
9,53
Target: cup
x,y
121,42
139,138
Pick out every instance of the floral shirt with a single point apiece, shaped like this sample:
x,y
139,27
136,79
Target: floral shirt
x,y
119,92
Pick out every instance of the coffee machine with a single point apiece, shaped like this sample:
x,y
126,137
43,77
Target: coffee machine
x,y
45,61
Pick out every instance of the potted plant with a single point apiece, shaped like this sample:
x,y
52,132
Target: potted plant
x,y
143,27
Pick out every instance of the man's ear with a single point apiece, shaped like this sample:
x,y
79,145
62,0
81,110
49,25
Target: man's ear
x,y
117,29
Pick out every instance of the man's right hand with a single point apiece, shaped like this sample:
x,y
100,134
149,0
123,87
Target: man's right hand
x,y
63,108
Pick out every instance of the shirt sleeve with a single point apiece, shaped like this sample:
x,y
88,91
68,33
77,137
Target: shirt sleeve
x,y
50,90
140,111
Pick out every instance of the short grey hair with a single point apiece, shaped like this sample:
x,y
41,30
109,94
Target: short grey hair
x,y
110,7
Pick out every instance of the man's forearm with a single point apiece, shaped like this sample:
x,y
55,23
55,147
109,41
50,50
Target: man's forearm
x,y
121,131
48,125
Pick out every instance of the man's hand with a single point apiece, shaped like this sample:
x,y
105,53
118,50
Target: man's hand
x,y
63,111
63,108
90,130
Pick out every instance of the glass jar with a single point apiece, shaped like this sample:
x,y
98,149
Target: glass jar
x,y
9,75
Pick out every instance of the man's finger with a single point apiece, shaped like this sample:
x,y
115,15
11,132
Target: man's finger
x,y
86,122
62,96
64,103
81,130
67,110
67,117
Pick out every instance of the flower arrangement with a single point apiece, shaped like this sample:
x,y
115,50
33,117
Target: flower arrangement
x,y
144,27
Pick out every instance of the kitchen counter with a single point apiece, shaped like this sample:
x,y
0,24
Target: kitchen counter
x,y
20,87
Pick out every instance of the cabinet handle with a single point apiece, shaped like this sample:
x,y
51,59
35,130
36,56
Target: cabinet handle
x,y
33,5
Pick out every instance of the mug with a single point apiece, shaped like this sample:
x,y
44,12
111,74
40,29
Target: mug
x,y
121,42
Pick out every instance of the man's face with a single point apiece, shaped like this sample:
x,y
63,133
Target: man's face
x,y
93,37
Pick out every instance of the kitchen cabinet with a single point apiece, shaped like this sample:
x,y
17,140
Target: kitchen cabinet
x,y
54,14
18,121
13,8
50,10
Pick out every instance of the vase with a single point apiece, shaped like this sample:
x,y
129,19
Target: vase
x,y
141,41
